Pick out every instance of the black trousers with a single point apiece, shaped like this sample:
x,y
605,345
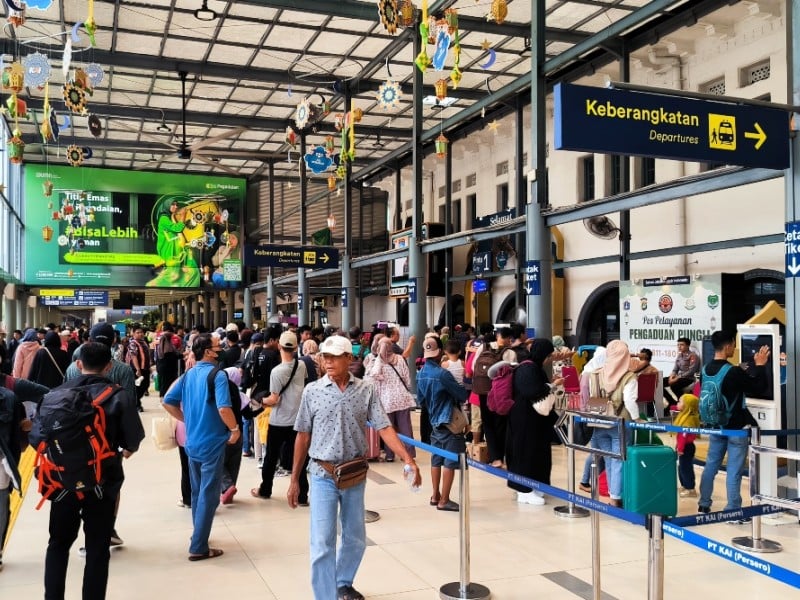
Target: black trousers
x,y
494,431
277,437
66,515
186,484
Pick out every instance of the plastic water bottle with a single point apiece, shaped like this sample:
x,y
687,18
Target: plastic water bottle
x,y
408,475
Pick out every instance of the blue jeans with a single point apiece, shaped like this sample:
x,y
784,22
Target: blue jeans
x,y
206,478
586,478
736,448
608,440
332,568
247,436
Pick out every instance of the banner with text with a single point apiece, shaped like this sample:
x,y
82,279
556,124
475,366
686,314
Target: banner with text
x,y
655,312
112,228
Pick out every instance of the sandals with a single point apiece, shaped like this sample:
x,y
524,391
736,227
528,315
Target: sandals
x,y
348,592
212,553
448,506
434,502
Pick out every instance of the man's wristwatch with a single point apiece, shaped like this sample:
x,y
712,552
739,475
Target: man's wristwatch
x,y
234,430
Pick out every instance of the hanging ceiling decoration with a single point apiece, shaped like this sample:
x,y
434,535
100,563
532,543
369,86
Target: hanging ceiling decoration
x,y
389,94
407,13
387,9
37,69
498,12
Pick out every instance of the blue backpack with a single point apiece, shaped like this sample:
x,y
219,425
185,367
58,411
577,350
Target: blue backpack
x,y
715,410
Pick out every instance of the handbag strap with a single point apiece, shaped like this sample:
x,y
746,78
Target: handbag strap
x,y
294,370
60,372
400,378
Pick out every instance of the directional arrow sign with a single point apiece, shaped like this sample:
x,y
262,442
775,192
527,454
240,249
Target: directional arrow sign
x,y
757,135
792,248
533,283
291,257
639,123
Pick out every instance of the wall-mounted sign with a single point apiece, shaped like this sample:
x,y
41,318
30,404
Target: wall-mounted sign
x,y
300,301
533,279
479,286
291,257
481,262
398,292
412,290
344,297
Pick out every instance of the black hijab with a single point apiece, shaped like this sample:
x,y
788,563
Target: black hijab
x,y
541,348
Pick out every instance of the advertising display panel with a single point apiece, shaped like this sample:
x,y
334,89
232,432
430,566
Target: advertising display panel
x,y
655,312
112,228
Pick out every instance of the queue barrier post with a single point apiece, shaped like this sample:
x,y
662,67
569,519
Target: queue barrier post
x,y
570,511
464,589
754,542
655,557
597,590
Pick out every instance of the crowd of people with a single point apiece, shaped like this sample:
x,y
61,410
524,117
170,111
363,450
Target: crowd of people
x,y
313,404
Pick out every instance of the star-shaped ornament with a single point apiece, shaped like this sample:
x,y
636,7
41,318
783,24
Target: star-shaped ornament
x,y
493,125
485,44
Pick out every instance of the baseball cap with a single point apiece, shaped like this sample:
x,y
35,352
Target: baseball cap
x,y
288,340
257,337
336,345
431,347
103,333
232,327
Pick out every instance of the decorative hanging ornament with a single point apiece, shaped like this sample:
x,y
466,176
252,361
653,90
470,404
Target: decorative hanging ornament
x,y
74,155
95,73
423,61
441,144
302,114
13,78
75,98
387,9
95,126
332,182
16,15
389,94
90,25
499,11
47,188
407,13
37,69
291,139
432,29
17,109
329,145
451,18
16,148
338,121
441,89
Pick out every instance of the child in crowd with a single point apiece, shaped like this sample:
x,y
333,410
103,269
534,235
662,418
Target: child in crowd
x,y
453,362
688,416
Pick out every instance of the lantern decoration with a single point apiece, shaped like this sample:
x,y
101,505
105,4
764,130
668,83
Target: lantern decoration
x,y
16,14
47,188
329,145
407,12
47,233
37,69
17,108
499,11
441,144
74,155
389,94
387,9
331,220
324,108
13,78
432,29
291,137
451,18
357,115
441,89
332,182
338,121
16,147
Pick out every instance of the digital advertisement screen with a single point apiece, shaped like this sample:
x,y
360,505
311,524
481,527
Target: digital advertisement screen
x,y
113,228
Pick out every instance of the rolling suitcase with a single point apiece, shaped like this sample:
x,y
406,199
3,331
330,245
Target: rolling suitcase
x,y
650,480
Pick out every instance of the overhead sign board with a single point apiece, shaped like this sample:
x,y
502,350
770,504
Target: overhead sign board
x,y
792,248
291,257
592,119
533,280
74,298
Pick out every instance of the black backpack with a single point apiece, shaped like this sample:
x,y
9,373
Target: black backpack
x,y
236,404
72,445
357,364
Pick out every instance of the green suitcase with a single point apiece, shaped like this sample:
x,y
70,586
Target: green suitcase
x,y
650,480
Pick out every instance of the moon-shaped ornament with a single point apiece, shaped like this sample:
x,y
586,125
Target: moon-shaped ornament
x,y
75,37
492,57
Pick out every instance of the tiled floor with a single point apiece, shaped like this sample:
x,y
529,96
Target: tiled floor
x,y
517,551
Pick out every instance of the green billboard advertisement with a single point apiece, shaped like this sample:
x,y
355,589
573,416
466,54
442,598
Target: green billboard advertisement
x,y
113,228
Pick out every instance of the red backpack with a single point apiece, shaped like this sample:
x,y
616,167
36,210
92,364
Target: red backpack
x,y
501,397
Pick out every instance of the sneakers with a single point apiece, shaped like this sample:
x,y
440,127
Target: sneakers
x,y
260,463
182,504
704,509
226,497
281,472
115,539
530,498
688,493
348,592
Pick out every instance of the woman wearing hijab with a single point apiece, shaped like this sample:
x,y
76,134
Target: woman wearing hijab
x,y
373,351
25,353
529,433
389,375
596,362
616,378
50,362
310,351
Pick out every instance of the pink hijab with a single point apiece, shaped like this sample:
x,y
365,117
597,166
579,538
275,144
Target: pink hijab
x,y
618,362
385,351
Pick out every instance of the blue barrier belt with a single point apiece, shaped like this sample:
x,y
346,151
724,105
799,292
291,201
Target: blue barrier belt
x,y
779,432
602,507
754,563
658,427
725,515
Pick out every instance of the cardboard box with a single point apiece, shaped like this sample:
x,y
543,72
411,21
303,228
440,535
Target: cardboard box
x,y
478,452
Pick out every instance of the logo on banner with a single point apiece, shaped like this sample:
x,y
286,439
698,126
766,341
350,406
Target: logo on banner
x,y
665,303
713,301
643,303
